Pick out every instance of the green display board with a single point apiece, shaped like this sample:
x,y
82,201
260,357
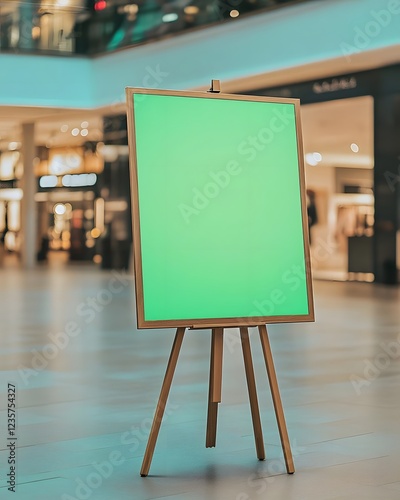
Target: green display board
x,y
219,215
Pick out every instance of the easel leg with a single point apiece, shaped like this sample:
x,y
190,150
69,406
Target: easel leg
x,y
162,401
215,385
251,385
276,398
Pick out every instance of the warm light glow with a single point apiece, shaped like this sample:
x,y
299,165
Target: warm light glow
x,y
131,9
35,32
95,232
99,213
11,194
191,10
234,13
8,163
97,259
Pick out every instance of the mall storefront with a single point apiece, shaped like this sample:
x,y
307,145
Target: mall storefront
x,y
351,131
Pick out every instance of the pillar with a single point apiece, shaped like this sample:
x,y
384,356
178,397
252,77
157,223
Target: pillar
x,y
387,187
28,205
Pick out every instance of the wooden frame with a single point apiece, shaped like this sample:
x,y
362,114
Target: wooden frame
x,y
211,322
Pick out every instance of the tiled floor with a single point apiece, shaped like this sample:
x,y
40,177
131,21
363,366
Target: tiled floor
x,y
85,405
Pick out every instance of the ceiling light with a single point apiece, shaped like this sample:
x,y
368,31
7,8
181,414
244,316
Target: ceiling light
x,y
13,146
60,209
85,124
169,18
131,8
311,160
64,128
191,10
75,132
317,156
234,13
84,132
354,147
48,181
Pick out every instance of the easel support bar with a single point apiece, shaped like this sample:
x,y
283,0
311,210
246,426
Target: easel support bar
x,y
217,340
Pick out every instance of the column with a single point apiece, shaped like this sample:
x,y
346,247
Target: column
x,y
28,205
387,186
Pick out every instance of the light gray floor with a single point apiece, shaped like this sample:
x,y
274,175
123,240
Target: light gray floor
x,y
84,414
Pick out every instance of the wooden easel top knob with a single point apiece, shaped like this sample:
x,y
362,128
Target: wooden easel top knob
x,y
215,86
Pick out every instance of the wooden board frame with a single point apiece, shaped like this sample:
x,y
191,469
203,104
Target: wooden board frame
x,y
211,322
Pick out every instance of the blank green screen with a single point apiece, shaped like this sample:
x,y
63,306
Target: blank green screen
x,y
220,208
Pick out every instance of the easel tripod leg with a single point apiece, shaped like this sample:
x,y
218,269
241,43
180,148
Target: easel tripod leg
x,y
162,401
276,398
251,385
215,385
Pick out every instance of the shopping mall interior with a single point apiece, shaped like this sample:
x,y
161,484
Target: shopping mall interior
x,y
86,378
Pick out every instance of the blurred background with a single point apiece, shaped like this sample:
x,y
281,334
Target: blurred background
x,y
86,379
64,182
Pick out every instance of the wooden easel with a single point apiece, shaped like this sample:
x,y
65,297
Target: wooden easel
x,y
215,383
214,394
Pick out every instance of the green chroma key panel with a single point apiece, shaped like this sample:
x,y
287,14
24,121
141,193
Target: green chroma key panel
x,y
219,210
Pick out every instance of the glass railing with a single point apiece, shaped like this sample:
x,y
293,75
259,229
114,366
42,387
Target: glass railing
x,y
91,27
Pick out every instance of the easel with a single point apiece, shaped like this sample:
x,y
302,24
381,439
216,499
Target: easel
x,y
215,386
214,394
217,326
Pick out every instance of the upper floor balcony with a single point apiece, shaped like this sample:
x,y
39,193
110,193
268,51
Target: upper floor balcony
x,y
92,27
